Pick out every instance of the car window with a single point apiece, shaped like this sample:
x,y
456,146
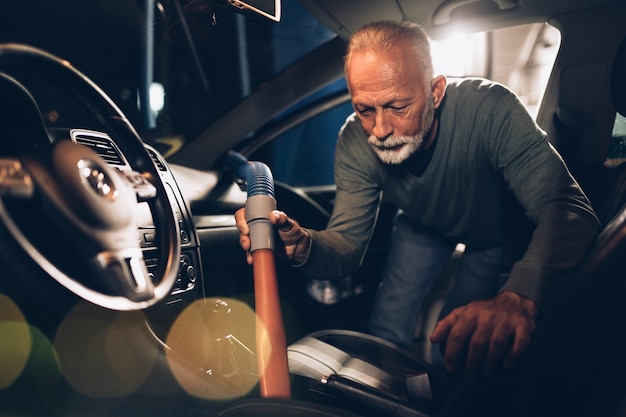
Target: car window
x,y
617,146
304,155
520,57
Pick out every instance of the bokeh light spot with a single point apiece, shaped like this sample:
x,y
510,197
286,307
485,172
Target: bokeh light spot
x,y
211,349
104,353
15,342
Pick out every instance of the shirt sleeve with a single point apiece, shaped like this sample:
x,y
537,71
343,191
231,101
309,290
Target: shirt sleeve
x,y
338,250
565,223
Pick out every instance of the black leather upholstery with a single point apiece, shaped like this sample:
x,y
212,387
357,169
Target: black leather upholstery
x,y
577,365
364,373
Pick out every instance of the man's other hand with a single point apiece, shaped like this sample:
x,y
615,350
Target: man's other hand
x,y
486,335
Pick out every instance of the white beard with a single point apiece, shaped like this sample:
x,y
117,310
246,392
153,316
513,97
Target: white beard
x,y
397,149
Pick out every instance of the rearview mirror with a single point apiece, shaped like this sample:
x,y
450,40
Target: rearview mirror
x,y
267,8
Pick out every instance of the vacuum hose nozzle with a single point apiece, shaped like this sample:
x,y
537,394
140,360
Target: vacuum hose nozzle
x,y
260,199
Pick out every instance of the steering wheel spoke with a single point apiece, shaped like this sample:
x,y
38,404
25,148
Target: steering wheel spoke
x,y
126,273
143,188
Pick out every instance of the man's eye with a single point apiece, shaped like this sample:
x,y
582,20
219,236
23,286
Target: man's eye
x,y
398,109
365,112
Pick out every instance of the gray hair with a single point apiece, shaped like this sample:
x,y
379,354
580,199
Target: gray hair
x,y
382,35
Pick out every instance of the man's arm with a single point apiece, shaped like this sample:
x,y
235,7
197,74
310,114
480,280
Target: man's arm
x,y
337,251
483,335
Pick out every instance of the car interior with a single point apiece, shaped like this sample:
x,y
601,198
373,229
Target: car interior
x,y
132,130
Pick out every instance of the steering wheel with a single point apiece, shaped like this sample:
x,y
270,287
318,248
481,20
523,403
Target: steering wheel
x,y
90,206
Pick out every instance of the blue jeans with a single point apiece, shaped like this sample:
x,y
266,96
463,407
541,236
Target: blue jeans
x,y
416,258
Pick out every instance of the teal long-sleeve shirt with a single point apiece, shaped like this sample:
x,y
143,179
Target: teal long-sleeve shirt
x,y
487,142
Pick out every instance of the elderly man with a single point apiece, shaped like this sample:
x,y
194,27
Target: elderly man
x,y
445,152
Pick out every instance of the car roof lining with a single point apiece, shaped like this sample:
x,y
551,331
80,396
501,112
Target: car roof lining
x,y
441,18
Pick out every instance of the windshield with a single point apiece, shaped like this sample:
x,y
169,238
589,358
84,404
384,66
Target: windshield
x,y
206,59
173,66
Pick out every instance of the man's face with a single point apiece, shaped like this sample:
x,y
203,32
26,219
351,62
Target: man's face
x,y
391,101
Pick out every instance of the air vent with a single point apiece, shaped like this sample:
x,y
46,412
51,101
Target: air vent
x,y
102,146
156,160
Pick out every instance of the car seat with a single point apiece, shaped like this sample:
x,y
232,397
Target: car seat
x,y
605,186
577,365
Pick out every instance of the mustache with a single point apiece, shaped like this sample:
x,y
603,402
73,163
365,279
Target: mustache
x,y
391,141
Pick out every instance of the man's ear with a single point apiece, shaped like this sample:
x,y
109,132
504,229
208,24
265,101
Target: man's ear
x,y
438,88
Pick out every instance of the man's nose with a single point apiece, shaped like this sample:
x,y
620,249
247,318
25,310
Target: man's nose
x,y
383,128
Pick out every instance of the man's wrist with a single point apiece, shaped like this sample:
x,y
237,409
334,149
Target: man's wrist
x,y
303,250
524,303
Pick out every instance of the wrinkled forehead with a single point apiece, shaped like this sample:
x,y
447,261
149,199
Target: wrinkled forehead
x,y
398,64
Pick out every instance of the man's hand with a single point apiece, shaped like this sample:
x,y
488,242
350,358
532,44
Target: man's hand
x,y
295,239
486,334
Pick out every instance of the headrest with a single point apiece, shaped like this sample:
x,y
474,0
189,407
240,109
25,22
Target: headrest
x,y
618,79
